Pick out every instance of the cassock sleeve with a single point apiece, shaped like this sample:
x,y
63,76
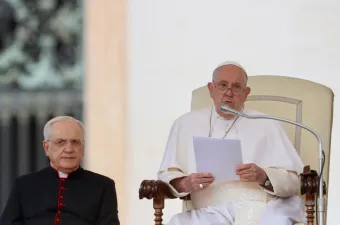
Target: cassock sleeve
x,y
108,212
167,177
281,162
285,183
12,213
174,162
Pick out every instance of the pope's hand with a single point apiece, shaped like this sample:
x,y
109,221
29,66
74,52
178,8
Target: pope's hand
x,y
195,182
251,173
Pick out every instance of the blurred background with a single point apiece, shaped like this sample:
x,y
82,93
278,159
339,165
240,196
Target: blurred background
x,y
41,76
126,68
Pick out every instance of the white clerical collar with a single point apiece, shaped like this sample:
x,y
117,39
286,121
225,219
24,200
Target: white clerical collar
x,y
62,175
219,121
215,116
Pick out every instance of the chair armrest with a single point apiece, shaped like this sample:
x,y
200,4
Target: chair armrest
x,y
309,180
158,191
155,189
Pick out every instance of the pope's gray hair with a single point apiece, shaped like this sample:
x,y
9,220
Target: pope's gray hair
x,y
49,124
226,63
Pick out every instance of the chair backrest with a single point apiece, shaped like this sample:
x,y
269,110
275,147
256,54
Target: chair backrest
x,y
296,99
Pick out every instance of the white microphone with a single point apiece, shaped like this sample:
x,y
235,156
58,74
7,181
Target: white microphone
x,y
320,201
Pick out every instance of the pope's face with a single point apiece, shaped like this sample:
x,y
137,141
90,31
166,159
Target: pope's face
x,y
229,87
65,146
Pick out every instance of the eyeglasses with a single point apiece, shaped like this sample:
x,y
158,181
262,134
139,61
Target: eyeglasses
x,y
76,143
223,87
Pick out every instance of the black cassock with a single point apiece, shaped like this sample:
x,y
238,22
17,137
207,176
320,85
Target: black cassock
x,y
43,198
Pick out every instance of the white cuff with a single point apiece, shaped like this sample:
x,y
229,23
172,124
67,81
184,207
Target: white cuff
x,y
167,177
285,183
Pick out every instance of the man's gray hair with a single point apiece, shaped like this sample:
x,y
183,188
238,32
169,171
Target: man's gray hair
x,y
49,124
226,63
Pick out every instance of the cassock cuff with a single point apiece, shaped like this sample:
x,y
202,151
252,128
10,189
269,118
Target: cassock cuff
x,y
271,176
167,177
284,182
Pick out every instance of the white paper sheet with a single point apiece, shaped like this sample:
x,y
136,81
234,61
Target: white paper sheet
x,y
218,156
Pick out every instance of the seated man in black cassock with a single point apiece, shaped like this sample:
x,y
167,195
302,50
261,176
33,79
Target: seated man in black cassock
x,y
63,193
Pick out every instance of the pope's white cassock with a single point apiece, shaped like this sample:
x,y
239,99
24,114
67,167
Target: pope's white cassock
x,y
265,143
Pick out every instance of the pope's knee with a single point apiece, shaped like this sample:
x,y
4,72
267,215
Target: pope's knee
x,y
277,220
177,219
